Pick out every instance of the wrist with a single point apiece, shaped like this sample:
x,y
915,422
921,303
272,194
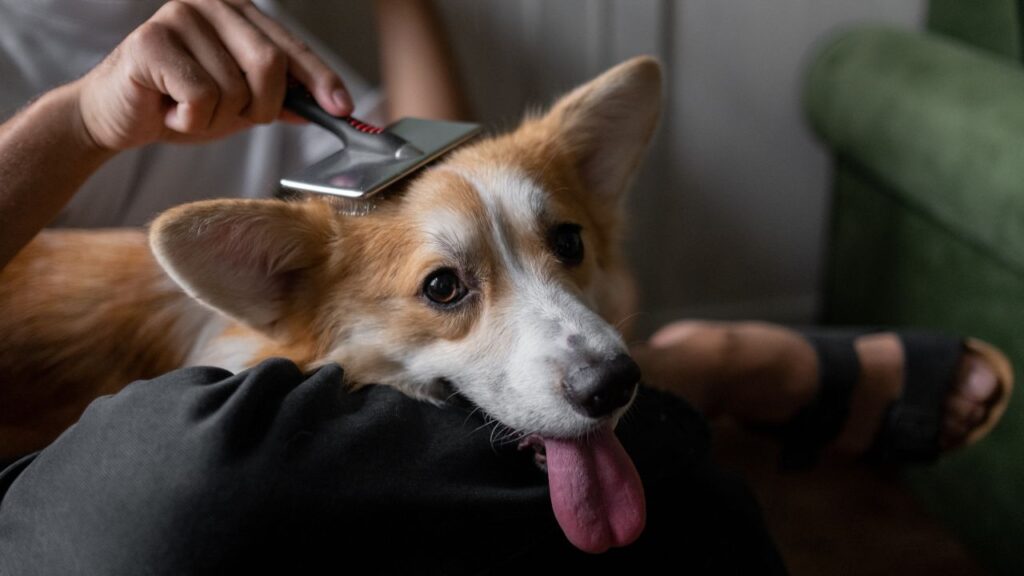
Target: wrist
x,y
45,155
68,103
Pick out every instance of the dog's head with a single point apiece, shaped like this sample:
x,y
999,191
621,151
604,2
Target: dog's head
x,y
496,272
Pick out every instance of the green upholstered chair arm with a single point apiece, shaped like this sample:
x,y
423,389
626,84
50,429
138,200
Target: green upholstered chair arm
x,y
992,25
938,123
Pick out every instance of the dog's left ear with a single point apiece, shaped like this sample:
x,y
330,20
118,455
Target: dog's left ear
x,y
249,259
607,123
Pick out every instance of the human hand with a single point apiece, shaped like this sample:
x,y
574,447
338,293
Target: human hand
x,y
199,70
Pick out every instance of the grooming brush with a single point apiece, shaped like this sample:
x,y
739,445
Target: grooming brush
x,y
372,158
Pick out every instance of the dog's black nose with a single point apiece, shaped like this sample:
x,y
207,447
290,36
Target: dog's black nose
x,y
598,388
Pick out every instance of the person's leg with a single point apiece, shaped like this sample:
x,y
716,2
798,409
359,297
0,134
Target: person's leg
x,y
762,373
417,66
201,471
167,476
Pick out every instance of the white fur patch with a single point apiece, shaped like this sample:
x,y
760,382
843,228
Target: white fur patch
x,y
231,352
508,192
514,362
192,318
448,231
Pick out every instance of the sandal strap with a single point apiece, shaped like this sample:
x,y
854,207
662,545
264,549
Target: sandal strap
x,y
818,423
911,426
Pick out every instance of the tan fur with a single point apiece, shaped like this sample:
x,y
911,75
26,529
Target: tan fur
x,y
85,313
82,314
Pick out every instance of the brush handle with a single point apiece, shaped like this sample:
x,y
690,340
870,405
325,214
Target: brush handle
x,y
354,133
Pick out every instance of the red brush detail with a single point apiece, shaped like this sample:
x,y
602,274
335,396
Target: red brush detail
x,y
363,127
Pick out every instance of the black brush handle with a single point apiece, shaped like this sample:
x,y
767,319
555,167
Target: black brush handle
x,y
353,133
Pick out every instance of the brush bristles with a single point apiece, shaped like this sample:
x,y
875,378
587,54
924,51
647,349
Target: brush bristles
x,y
351,206
341,204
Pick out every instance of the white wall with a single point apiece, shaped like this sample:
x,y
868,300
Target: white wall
x,y
730,211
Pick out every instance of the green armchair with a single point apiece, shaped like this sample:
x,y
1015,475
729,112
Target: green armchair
x,y
927,135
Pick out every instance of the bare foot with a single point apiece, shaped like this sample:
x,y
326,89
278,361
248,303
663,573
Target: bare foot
x,y
974,392
762,373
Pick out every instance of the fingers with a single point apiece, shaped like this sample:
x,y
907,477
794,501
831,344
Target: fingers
x,y
304,64
232,94
179,53
199,70
263,63
226,64
171,70
266,52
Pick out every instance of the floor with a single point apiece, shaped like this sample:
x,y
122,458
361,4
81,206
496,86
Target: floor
x,y
841,518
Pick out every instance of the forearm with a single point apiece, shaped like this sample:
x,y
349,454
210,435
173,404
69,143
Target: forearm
x,y
417,67
45,155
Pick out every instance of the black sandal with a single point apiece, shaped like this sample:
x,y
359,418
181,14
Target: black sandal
x,y
912,424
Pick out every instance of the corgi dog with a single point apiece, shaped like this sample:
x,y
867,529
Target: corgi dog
x,y
497,273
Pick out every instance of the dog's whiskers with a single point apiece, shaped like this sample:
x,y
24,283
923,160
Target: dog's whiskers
x,y
488,421
500,434
471,413
618,325
506,435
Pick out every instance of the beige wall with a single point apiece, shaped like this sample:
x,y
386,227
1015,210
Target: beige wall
x,y
730,210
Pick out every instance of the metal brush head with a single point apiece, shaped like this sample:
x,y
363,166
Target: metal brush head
x,y
355,174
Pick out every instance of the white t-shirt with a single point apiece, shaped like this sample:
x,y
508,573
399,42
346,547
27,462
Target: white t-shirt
x,y
45,43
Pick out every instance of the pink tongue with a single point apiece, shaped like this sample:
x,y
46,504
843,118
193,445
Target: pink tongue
x,y
595,491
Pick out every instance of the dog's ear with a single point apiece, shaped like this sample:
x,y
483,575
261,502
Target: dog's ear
x,y
607,123
249,259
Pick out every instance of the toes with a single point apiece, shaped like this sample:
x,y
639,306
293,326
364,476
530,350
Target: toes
x,y
977,380
954,431
968,404
965,410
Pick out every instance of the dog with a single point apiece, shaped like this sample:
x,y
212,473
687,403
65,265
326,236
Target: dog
x,y
497,273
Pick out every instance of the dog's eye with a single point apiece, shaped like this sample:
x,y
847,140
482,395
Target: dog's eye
x,y
567,244
444,287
